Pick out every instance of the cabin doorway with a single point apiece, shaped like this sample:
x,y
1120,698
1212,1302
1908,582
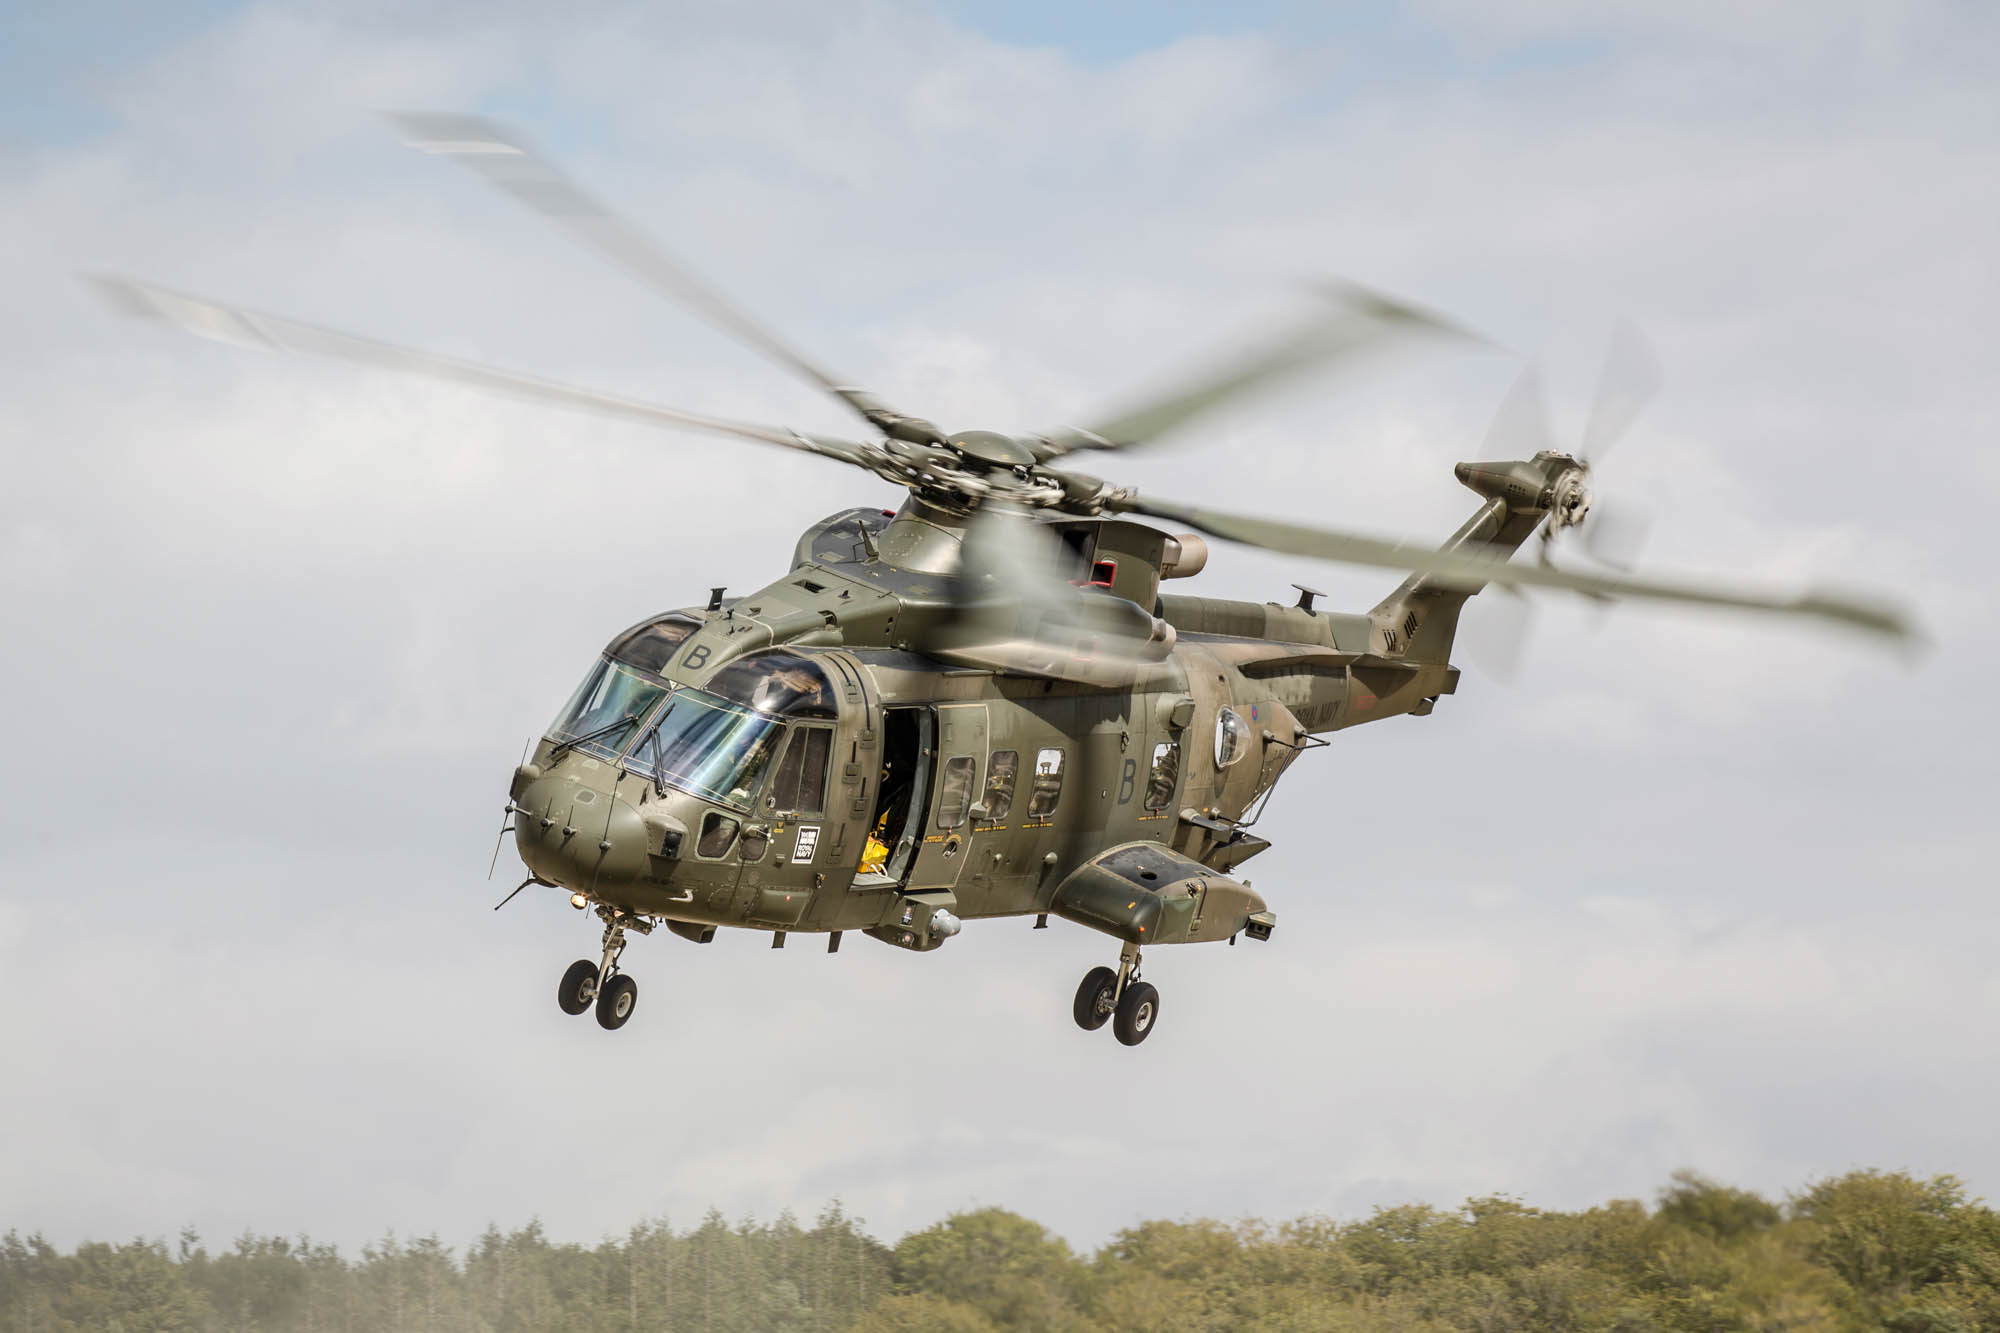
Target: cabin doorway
x,y
895,824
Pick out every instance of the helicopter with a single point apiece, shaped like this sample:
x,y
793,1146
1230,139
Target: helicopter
x,y
982,703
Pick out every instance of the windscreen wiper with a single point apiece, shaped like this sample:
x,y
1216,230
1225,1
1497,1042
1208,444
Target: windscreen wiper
x,y
628,720
659,760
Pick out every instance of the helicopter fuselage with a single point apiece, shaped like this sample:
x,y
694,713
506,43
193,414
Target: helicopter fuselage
x,y
785,762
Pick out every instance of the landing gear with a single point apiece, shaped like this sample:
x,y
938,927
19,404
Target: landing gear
x,y
1137,1008
578,988
601,983
616,1001
1096,998
1129,1004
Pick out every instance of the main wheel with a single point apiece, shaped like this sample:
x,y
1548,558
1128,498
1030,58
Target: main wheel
x,y
1137,1008
616,1001
1093,998
578,988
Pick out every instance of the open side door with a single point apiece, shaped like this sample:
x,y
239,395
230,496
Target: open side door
x,y
956,784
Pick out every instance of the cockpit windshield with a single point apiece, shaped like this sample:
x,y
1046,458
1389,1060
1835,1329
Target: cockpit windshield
x,y
708,747
777,681
650,646
605,710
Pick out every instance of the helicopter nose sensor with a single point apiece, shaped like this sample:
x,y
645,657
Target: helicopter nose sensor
x,y
578,837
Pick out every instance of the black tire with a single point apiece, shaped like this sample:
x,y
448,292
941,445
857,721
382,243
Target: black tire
x,y
579,987
1138,1010
1093,998
616,1002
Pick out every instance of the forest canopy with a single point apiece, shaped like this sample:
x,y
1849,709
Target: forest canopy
x,y
1868,1250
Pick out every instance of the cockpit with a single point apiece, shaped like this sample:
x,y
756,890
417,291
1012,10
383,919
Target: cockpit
x,y
716,742
622,689
606,710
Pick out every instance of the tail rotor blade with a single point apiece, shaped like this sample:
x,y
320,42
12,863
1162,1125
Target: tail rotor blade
x,y
1629,380
1614,535
1520,426
1495,630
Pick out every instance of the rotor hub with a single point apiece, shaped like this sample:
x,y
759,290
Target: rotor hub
x,y
992,448
1569,503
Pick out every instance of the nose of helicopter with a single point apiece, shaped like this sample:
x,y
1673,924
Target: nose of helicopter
x,y
578,836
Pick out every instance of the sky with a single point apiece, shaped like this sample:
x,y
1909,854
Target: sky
x,y
1695,892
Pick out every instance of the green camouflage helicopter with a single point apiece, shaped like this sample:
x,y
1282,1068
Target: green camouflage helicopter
x,y
981,704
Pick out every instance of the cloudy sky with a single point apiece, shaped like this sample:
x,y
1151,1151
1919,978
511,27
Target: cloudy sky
x,y
1690,892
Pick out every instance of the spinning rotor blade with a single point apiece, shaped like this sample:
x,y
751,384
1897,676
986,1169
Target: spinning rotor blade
x,y
486,148
1520,427
1018,611
1630,378
1495,633
1615,534
247,328
1359,322
1474,572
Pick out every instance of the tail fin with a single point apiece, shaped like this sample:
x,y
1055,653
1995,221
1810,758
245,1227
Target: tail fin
x,y
1419,620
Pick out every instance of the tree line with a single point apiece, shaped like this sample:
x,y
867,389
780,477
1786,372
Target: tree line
x,y
1868,1250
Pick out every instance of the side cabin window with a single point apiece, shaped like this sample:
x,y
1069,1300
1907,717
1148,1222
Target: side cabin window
x,y
800,786
1001,768
1047,790
955,791
776,683
718,833
1166,776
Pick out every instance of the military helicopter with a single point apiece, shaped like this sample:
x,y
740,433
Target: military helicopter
x,y
980,704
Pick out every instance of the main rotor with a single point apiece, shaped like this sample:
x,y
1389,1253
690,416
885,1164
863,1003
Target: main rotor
x,y
995,481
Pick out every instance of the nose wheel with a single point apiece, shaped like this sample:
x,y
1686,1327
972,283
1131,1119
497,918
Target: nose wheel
x,y
601,984
1119,998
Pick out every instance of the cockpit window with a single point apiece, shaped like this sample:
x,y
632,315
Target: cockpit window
x,y
651,646
605,710
708,747
778,683
800,786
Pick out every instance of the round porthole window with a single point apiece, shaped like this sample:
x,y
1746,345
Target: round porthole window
x,y
1232,738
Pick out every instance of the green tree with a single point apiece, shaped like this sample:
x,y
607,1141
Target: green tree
x,y
1914,1254
919,1312
1003,1265
1716,1211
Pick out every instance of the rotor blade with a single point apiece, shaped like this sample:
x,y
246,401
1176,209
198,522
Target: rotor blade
x,y
1015,609
489,150
1474,572
1359,321
1630,378
1520,425
247,328
1614,534
1495,632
